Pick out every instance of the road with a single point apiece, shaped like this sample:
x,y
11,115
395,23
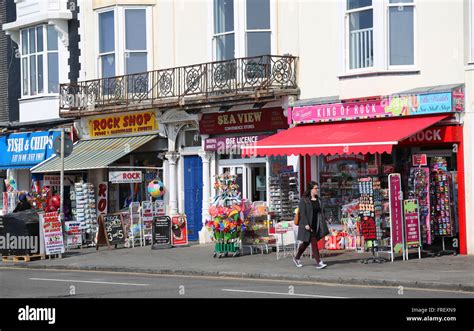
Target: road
x,y
34,283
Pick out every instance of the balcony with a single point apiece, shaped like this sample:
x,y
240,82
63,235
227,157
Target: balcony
x,y
254,79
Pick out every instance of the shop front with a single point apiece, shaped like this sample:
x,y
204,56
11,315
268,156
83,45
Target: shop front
x,y
112,169
228,132
356,149
18,153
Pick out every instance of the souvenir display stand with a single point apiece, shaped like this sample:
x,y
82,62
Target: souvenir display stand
x,y
134,234
441,215
369,189
84,211
146,222
228,212
419,189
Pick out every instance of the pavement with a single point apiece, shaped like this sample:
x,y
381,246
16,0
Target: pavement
x,y
441,273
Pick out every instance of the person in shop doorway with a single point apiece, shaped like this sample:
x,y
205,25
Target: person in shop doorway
x,y
312,226
23,204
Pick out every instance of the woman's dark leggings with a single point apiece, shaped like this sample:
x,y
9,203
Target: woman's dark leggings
x,y
314,246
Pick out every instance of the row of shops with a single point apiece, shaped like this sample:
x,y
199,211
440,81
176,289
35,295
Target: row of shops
x,y
272,150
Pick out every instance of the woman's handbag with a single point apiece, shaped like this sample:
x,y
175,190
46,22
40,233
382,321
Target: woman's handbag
x,y
297,217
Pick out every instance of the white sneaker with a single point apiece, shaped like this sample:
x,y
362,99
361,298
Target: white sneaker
x,y
297,263
321,265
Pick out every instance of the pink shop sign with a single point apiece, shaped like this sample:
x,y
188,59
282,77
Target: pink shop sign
x,y
337,111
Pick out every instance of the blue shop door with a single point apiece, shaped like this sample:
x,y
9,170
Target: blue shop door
x,y
193,195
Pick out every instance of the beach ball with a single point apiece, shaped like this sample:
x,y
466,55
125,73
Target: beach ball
x,y
156,188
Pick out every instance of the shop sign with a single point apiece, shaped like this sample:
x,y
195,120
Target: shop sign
x,y
231,145
412,222
26,149
435,135
179,229
419,160
393,106
122,124
52,233
55,180
125,177
346,157
396,212
102,198
269,119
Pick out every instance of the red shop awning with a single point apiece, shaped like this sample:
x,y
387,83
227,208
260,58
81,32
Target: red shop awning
x,y
369,136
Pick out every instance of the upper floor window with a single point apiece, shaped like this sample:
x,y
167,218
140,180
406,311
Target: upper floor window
x,y
471,31
242,28
401,32
366,42
123,41
39,60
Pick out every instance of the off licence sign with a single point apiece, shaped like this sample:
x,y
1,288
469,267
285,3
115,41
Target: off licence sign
x,y
125,177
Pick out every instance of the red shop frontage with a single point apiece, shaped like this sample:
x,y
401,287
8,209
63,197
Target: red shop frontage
x,y
418,138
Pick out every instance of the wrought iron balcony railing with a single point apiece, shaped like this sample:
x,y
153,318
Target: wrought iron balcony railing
x,y
205,81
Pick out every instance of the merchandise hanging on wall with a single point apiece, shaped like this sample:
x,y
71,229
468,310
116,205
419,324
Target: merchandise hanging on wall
x,y
441,219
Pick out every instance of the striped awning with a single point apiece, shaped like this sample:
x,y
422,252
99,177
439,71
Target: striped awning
x,y
93,154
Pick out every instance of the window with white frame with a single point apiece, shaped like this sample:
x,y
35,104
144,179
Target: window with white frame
x,y
361,33
124,41
471,31
368,46
242,28
39,60
401,32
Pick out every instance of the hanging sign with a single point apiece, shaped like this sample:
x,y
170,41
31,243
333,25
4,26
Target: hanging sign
x,y
122,124
161,232
419,160
396,213
179,229
52,233
102,199
117,177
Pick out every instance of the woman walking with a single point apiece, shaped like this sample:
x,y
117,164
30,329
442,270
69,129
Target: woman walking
x,y
312,226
